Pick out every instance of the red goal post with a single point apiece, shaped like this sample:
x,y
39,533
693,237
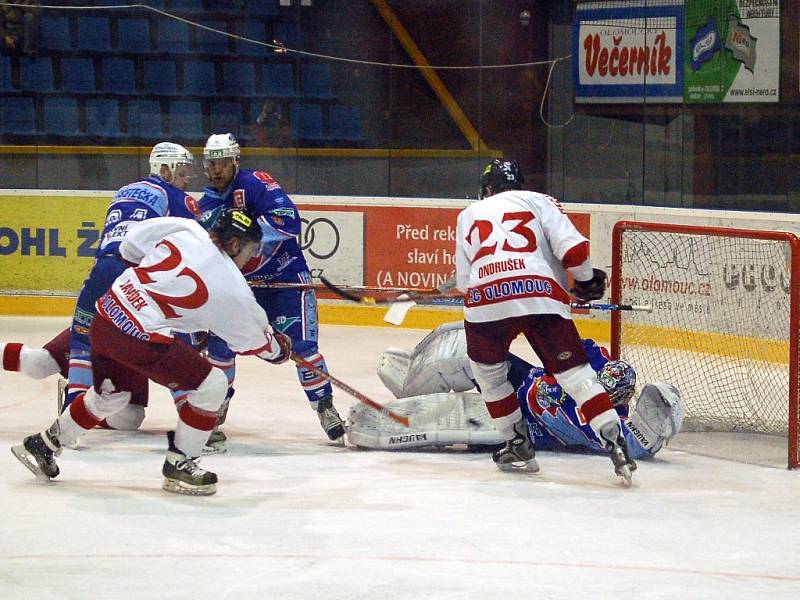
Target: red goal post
x,y
724,325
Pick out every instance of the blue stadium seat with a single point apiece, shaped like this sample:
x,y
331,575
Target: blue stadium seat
x,y
344,124
144,119
134,36
186,119
54,33
17,116
36,74
94,33
278,80
193,6
61,117
160,78
172,37
199,79
252,30
306,120
315,82
118,76
267,8
289,35
5,74
77,75
102,118
209,42
227,117
239,79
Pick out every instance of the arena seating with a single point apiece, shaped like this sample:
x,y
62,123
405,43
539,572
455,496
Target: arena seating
x,y
137,76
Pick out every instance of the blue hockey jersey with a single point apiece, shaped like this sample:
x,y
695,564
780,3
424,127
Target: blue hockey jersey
x,y
553,417
261,195
145,199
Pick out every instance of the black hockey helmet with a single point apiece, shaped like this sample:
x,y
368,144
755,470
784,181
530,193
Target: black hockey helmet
x,y
236,223
499,176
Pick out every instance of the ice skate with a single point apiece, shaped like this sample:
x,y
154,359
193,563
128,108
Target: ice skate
x,y
518,453
329,419
183,476
37,452
624,466
216,443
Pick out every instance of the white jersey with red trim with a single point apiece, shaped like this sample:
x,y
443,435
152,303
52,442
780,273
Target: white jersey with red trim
x,y
183,282
512,249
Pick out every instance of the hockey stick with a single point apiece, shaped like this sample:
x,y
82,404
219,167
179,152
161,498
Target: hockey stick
x,y
420,296
265,283
403,420
398,310
601,306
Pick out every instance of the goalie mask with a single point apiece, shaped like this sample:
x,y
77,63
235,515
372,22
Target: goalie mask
x,y
169,154
619,380
499,176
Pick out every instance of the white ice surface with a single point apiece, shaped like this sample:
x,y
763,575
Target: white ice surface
x,y
298,517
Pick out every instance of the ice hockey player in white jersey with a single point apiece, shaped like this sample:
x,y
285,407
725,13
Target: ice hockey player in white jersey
x,y
513,251
184,279
436,378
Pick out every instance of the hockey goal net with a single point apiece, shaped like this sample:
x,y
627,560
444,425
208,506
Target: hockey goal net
x,y
724,325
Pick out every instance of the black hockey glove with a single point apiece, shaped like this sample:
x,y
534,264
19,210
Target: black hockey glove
x,y
594,289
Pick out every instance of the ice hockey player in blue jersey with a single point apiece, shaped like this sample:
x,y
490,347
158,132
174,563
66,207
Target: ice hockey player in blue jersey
x,y
436,378
161,194
290,311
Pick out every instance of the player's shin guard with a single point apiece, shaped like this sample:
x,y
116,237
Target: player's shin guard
x,y
499,396
89,410
198,415
597,410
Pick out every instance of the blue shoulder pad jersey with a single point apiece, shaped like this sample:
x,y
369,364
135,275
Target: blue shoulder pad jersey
x,y
553,417
151,197
260,194
146,199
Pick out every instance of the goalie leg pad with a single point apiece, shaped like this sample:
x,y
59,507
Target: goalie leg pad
x,y
393,370
459,418
657,417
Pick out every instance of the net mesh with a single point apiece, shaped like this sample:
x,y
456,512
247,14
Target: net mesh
x,y
719,329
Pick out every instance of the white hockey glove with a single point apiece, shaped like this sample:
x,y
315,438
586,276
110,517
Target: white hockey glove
x,y
658,416
279,351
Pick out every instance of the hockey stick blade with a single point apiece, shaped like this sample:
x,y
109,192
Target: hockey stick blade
x,y
601,306
350,390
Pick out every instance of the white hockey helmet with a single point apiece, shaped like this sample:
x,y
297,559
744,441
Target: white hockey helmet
x,y
220,145
172,155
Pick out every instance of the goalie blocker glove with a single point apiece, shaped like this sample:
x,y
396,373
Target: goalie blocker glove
x,y
281,353
593,289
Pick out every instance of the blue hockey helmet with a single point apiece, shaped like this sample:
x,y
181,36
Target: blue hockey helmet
x,y
619,380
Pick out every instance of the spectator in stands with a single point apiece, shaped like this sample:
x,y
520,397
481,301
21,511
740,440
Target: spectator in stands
x,y
272,126
19,27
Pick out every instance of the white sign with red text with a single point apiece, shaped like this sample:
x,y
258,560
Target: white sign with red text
x,y
628,52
